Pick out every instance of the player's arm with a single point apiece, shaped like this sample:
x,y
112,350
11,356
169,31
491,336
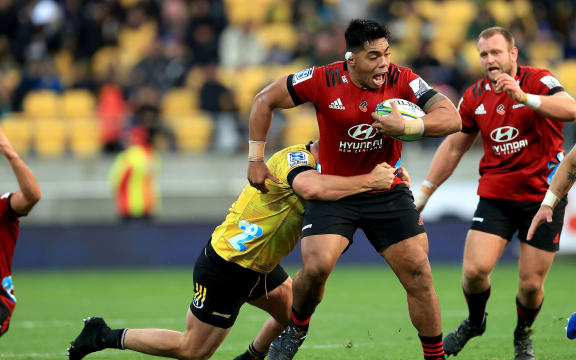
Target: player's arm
x,y
562,182
311,185
445,160
441,119
273,96
559,106
23,200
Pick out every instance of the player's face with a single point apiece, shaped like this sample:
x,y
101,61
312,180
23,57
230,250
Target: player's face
x,y
497,56
370,65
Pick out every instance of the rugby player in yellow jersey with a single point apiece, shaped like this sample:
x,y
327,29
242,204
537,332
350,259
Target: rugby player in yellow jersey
x,y
241,263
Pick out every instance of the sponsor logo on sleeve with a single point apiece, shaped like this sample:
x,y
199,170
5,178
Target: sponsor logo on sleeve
x,y
419,87
302,76
298,158
550,81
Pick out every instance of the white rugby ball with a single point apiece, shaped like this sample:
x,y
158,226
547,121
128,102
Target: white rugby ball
x,y
408,109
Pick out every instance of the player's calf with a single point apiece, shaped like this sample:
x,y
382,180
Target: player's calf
x,y
95,336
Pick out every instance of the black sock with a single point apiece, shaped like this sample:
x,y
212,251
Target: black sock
x,y
300,321
477,305
252,354
433,348
114,339
526,317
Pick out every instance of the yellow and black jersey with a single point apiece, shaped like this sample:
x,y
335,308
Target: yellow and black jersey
x,y
261,229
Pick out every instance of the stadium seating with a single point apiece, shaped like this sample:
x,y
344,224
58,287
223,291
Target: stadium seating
x,y
78,104
193,133
41,104
301,126
17,129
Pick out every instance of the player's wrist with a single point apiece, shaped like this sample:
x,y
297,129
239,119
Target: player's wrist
x,y
414,127
427,187
550,199
256,150
531,100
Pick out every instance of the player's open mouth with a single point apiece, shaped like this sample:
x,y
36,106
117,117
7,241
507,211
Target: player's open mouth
x,y
493,69
379,78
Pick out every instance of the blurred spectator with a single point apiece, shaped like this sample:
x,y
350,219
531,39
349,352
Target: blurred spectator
x,y
218,101
163,67
205,27
133,178
40,75
483,20
174,21
240,46
112,112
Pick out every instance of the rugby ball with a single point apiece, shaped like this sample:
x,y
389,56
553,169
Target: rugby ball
x,y
408,109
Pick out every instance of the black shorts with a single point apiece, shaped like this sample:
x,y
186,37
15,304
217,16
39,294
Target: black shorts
x,y
504,218
385,217
222,287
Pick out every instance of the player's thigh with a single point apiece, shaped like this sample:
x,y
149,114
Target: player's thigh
x,y
533,265
321,252
277,302
481,253
409,259
200,338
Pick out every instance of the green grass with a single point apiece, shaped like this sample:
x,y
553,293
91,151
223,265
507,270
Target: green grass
x,y
363,306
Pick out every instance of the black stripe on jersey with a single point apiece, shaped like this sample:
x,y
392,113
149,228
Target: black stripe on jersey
x,y
479,87
474,92
470,129
425,97
327,78
524,78
338,75
332,77
291,90
394,75
555,90
297,170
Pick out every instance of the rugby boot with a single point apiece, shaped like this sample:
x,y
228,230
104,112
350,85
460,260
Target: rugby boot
x,y
455,341
285,346
90,339
523,349
571,328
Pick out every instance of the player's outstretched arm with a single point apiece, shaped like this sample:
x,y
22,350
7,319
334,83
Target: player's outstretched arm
x,y
311,185
273,96
562,182
445,160
23,200
559,107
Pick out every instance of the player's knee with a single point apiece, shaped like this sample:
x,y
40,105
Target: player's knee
x,y
316,273
473,273
530,287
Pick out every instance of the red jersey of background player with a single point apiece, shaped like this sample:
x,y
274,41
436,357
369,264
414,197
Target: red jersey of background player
x,y
521,146
349,145
9,228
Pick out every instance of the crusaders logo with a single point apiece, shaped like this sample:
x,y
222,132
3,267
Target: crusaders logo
x,y
500,109
363,106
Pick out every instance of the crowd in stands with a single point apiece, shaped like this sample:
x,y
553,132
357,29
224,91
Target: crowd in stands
x,y
187,70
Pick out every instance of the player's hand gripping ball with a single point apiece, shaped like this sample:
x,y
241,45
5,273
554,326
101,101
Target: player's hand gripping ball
x,y
408,110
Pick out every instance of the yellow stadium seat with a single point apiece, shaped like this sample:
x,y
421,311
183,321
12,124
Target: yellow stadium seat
x,y
179,102
78,104
50,138
566,72
502,11
85,138
194,134
17,130
104,59
545,50
41,104
281,35
301,127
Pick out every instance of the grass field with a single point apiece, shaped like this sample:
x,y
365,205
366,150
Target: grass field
x,y
363,307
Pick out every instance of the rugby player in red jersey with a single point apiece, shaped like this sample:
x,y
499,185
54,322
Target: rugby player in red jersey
x,y
519,112
12,207
354,139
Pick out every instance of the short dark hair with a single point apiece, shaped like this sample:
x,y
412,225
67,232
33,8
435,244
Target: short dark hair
x,y
360,32
491,31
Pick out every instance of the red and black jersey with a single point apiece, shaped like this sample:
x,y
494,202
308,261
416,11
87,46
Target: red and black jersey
x,y
9,228
521,147
349,145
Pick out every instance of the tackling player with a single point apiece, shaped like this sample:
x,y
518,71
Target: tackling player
x,y
518,111
345,94
241,263
12,207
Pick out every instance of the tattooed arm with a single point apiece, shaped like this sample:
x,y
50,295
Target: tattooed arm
x,y
562,182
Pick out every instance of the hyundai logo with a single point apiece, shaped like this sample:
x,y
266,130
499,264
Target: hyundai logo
x,y
362,132
504,133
